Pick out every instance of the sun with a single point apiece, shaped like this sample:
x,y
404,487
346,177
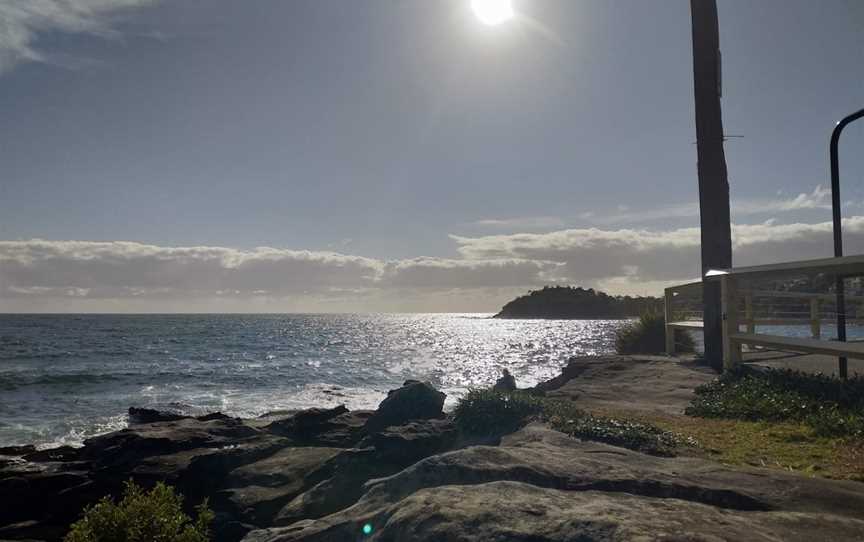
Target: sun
x,y
492,12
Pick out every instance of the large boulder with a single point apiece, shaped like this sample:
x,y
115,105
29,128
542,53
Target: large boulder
x,y
413,401
542,485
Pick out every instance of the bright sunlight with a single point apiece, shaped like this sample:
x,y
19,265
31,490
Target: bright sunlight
x,y
492,12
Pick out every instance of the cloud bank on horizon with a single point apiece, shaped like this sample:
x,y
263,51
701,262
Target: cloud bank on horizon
x,y
70,276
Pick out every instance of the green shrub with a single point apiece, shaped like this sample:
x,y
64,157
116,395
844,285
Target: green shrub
x,y
833,407
486,412
142,516
648,336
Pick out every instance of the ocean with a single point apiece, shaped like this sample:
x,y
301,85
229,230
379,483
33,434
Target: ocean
x,y
64,378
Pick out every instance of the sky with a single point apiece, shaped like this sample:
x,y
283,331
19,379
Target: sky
x,y
392,156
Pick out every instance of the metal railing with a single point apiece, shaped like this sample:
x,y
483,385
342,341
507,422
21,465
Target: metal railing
x,y
733,284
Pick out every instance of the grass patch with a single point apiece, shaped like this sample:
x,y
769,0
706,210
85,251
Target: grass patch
x,y
791,446
487,412
648,336
829,406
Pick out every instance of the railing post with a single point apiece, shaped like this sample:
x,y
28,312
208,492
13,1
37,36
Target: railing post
x,y
748,313
815,323
729,308
669,295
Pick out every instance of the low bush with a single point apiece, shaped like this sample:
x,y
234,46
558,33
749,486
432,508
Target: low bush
x,y
630,434
831,406
142,516
487,413
648,336
492,413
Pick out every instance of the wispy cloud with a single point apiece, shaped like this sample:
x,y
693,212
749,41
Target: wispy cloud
x,y
21,21
819,198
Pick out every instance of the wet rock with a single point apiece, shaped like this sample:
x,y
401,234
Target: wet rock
x,y
17,450
61,453
214,416
413,401
149,415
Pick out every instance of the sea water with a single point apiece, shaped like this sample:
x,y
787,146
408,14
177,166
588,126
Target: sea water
x,y
64,378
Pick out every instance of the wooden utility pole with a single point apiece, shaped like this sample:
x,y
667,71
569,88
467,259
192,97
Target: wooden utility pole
x,y
713,183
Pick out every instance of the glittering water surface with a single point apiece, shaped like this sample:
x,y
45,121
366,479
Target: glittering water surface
x,y
64,378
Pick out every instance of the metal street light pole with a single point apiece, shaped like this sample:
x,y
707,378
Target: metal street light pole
x,y
838,228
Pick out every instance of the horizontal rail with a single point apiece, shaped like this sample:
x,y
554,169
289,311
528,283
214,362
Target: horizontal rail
x,y
758,322
844,266
797,295
796,344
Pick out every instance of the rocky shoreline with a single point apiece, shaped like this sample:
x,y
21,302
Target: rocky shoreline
x,y
406,471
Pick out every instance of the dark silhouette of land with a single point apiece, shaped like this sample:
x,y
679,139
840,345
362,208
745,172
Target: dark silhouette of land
x,y
573,303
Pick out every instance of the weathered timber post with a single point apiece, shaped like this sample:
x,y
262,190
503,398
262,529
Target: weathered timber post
x,y
713,184
668,297
730,323
815,324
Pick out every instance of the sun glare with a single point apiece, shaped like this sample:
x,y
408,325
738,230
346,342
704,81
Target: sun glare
x,y
492,12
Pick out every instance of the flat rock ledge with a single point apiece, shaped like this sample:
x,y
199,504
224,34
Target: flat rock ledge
x,y
325,474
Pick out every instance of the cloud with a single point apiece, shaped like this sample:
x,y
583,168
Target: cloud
x,y
593,255
126,276
118,269
125,268
819,198
21,21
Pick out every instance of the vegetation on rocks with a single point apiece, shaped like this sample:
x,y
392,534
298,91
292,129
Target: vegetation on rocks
x,y
648,336
788,446
488,412
565,302
142,516
830,406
